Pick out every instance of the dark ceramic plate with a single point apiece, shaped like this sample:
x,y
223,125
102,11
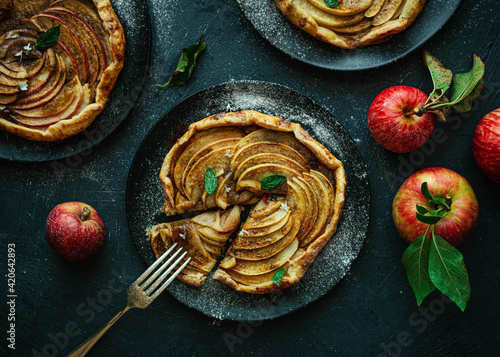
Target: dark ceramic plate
x,y
134,17
144,197
282,34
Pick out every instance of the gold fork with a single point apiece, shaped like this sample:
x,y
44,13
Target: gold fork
x,y
141,294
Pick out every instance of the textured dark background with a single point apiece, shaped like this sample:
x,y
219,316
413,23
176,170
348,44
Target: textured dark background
x,y
370,312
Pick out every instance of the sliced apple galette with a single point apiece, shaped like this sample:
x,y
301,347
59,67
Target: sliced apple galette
x,y
351,23
59,60
295,185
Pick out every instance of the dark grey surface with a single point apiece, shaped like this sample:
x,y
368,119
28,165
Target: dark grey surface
x,y
285,36
371,311
334,261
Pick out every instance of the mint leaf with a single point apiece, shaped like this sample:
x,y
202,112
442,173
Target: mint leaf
x,y
49,37
465,83
447,271
186,63
466,104
271,182
278,276
210,181
441,77
332,3
428,219
416,262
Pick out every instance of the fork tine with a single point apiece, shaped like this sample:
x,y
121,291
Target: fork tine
x,y
164,275
158,271
154,265
167,283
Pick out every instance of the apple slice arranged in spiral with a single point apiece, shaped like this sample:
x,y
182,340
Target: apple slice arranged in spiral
x,y
69,41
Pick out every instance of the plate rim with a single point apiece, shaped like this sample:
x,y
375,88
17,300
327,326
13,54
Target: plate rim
x,y
160,121
66,154
351,69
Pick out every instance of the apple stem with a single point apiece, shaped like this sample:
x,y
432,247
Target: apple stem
x,y
85,214
419,111
448,200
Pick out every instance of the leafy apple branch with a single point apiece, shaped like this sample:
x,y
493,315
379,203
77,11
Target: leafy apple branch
x,y
434,263
466,88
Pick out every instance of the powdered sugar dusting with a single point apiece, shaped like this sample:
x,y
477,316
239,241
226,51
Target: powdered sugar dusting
x,y
144,197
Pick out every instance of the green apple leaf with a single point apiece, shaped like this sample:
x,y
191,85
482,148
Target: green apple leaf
x,y
466,104
447,271
465,83
425,191
441,77
186,63
416,262
210,181
428,219
422,209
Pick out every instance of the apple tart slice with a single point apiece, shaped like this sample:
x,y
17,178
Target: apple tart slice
x,y
53,91
352,23
203,237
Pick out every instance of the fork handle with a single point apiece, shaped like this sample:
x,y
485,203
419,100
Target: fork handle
x,y
85,347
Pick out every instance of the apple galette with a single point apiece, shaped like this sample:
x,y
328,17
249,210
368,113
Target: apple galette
x,y
59,60
294,185
351,23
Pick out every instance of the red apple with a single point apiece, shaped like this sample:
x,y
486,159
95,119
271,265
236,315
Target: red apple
x,y
393,122
486,145
75,231
458,223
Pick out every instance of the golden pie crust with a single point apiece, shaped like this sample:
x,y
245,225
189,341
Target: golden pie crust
x,y
69,127
270,239
356,23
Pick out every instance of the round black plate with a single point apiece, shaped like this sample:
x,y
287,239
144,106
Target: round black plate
x,y
282,34
144,196
134,17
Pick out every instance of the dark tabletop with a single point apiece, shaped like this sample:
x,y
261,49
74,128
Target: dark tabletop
x,y
372,311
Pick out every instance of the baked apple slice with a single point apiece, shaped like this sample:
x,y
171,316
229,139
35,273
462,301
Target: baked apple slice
x,y
56,105
248,267
6,99
47,92
90,17
268,158
270,248
254,242
93,36
81,33
195,146
78,102
68,41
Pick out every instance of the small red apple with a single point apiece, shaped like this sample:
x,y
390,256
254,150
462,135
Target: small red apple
x,y
75,231
457,224
486,145
393,119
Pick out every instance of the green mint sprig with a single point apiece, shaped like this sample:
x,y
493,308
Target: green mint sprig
x,y
435,263
332,3
278,276
186,64
465,88
49,37
270,182
210,181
